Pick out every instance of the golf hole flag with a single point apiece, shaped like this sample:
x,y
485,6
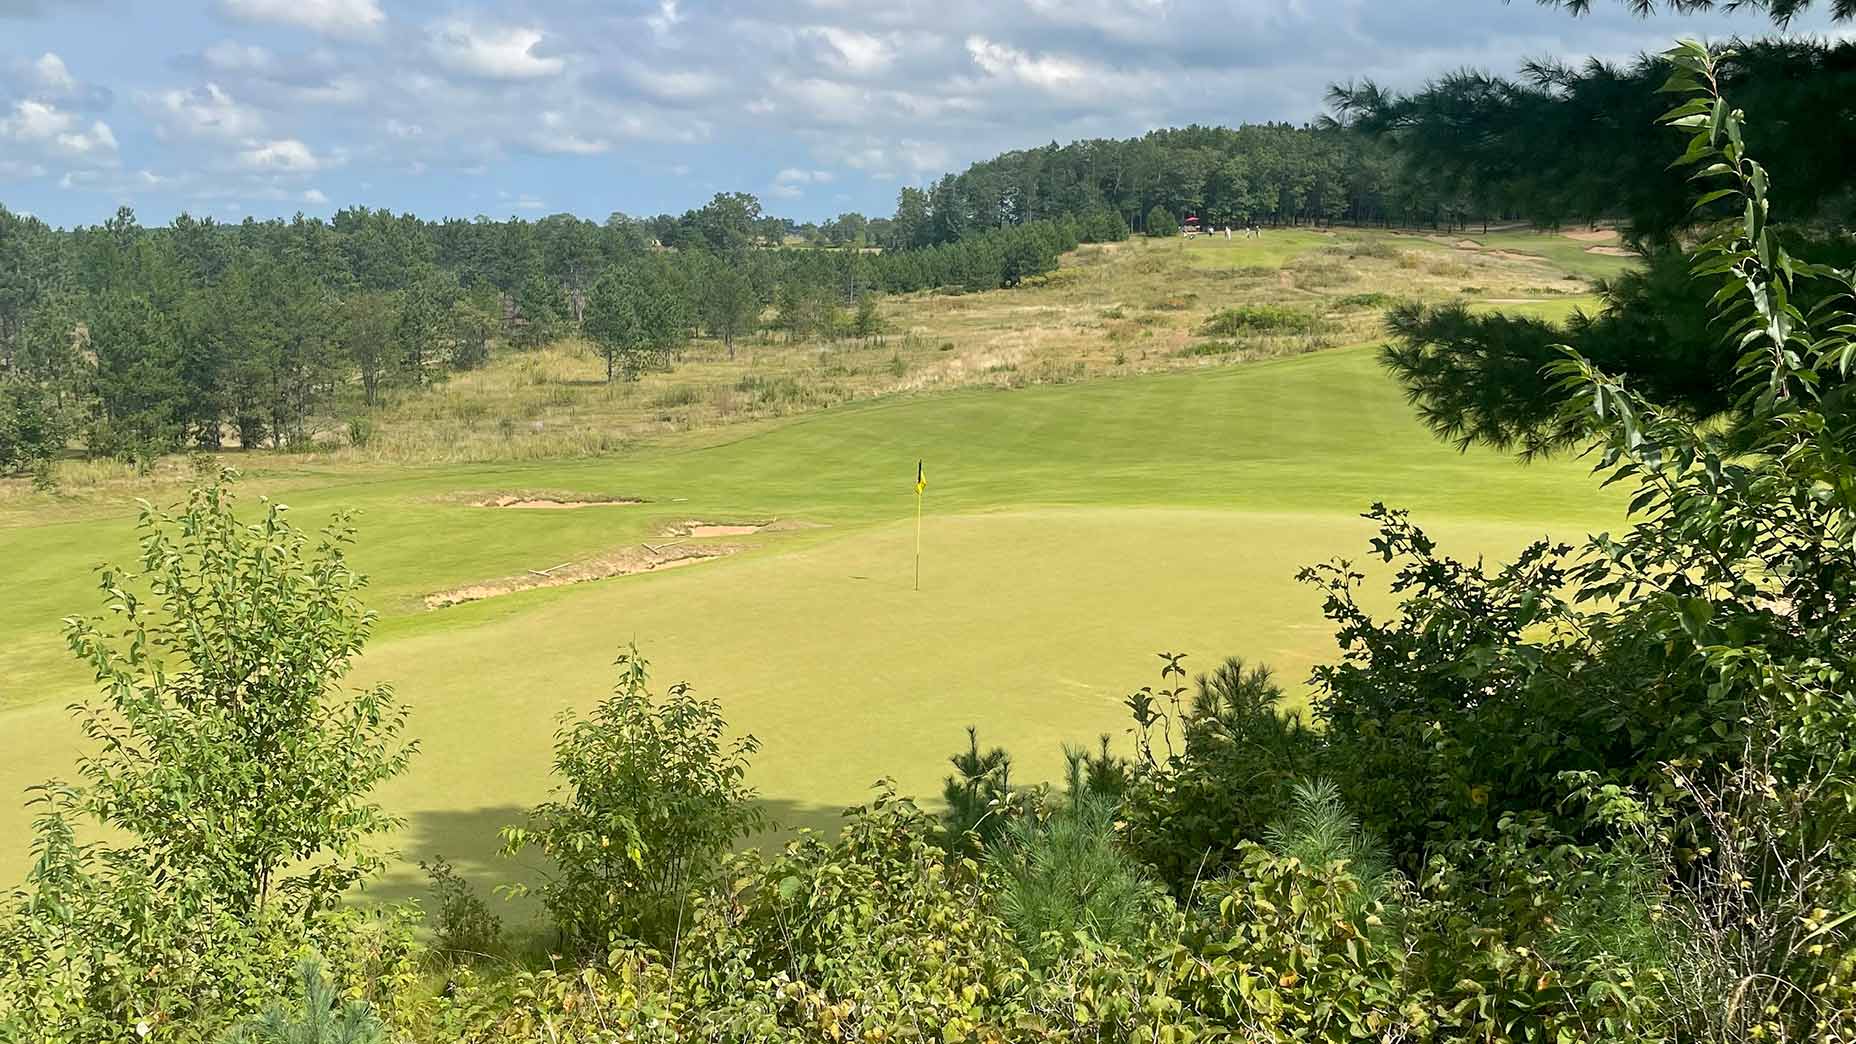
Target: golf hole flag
x,y
921,484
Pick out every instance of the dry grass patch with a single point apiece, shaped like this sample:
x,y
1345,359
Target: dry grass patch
x,y
623,562
1109,310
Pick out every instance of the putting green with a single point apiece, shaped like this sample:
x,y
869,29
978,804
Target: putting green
x,y
1072,533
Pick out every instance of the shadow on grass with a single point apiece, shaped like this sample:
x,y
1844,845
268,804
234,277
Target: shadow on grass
x,y
469,840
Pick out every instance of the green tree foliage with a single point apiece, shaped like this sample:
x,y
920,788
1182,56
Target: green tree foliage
x,y
1160,223
472,324
230,784
538,311
1565,144
651,796
1782,11
367,337
1477,378
225,747
321,1017
729,304
978,793
639,314
727,223
1063,877
868,325
1206,770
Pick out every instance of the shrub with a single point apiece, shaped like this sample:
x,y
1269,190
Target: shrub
x,y
1063,877
226,752
1229,777
1371,299
360,432
1161,222
979,794
652,795
324,1018
1258,319
461,922
1319,830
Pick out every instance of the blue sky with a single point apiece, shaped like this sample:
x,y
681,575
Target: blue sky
x,y
267,107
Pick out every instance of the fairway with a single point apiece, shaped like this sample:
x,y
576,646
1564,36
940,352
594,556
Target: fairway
x,y
1072,533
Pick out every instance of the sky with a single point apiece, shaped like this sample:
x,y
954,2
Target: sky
x,y
231,108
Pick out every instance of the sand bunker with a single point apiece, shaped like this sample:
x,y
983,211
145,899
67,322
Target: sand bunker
x,y
722,529
623,562
1596,235
1610,251
553,503
696,530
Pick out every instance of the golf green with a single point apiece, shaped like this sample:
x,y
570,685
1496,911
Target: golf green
x,y
1071,533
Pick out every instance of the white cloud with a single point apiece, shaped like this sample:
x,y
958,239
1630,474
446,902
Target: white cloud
x,y
558,135
203,112
677,85
331,17
231,56
342,90
492,52
53,74
853,51
1044,71
790,183
283,156
36,121
315,197
666,18
99,140
47,128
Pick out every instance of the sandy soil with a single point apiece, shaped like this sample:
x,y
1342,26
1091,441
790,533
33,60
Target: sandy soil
x,y
551,504
623,562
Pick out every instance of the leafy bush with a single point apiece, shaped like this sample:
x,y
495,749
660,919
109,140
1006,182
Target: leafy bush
x,y
461,921
652,796
1370,299
1161,222
1319,830
225,751
1229,777
1259,319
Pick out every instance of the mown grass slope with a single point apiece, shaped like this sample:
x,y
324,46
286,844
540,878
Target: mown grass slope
x,y
1072,532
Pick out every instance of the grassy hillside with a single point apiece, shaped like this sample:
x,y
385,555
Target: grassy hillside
x,y
1072,532
1111,310
1104,483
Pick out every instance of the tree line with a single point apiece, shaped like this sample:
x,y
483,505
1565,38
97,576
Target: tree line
x,y
1268,174
1564,143
131,341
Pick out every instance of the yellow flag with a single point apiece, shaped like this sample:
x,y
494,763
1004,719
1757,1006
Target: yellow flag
x,y
921,481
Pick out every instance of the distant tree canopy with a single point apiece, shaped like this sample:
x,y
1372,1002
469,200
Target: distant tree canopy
x,y
1272,173
1565,144
133,341
1782,11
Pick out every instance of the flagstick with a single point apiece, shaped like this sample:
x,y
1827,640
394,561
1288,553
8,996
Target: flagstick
x,y
918,540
